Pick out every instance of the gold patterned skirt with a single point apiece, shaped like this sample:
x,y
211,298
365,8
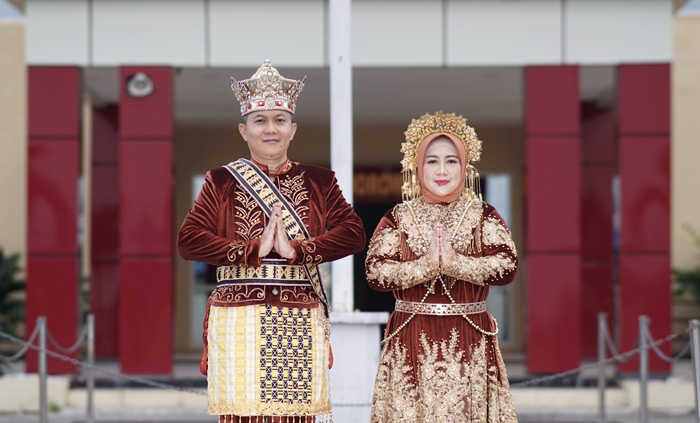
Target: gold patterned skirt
x,y
441,379
265,360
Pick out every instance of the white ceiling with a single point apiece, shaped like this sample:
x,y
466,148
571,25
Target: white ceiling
x,y
381,96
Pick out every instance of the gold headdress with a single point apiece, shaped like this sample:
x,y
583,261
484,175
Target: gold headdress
x,y
428,124
267,90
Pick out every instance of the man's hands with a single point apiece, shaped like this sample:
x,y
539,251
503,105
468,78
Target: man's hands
x,y
274,237
282,245
439,248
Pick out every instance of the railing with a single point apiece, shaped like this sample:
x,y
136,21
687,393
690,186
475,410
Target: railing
x,y
645,343
86,336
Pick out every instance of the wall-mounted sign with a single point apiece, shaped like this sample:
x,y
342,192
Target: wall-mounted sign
x,y
377,185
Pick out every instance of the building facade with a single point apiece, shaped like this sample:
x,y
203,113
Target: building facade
x,y
573,100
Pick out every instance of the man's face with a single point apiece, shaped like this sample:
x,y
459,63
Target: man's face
x,y
268,134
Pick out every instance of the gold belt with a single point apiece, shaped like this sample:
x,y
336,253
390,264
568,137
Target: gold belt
x,y
271,272
438,309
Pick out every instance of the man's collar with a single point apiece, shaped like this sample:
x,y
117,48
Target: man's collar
x,y
283,169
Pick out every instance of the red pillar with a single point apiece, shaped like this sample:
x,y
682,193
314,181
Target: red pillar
x,y
52,221
104,281
146,225
553,218
645,269
597,255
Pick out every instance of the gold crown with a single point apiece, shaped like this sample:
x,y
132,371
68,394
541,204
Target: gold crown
x,y
267,90
428,124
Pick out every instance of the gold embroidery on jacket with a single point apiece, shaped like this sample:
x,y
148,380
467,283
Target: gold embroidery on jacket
x,y
448,385
429,215
248,215
298,294
235,249
292,187
231,294
385,243
497,234
478,270
395,395
309,248
395,273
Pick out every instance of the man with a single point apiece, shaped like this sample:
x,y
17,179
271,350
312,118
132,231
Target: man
x,y
267,223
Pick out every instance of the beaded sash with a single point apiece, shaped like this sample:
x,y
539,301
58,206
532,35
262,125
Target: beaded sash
x,y
439,309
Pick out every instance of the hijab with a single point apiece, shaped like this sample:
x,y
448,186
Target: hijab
x,y
428,195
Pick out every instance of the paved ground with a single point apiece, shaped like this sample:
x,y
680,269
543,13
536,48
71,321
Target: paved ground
x,y
179,415
196,414
613,417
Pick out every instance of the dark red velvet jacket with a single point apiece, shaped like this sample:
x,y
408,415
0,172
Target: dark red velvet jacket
x,y
225,224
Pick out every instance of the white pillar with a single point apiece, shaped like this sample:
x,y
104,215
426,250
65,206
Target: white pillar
x,y
341,136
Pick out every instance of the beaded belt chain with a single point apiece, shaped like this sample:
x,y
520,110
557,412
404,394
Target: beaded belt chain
x,y
437,309
271,272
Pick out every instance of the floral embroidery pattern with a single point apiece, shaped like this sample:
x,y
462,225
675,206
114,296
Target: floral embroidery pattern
x,y
235,249
309,248
248,215
497,234
429,215
395,394
392,273
292,188
478,270
295,192
385,243
447,386
298,294
230,294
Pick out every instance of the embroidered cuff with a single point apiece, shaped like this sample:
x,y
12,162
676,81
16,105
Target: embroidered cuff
x,y
308,249
451,266
417,271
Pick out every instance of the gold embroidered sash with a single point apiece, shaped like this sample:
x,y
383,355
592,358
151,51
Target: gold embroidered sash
x,y
266,194
270,272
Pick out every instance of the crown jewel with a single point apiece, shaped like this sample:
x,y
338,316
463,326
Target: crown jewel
x,y
267,90
428,124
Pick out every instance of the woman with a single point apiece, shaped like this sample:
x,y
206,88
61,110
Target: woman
x,y
439,252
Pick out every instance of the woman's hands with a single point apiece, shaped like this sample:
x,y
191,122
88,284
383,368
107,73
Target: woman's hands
x,y
274,237
439,248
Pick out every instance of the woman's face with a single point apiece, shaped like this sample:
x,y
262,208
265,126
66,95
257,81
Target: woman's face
x,y
441,167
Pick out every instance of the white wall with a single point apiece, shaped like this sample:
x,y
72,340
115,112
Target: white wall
x,y
244,33
504,32
148,32
391,33
386,33
57,32
619,31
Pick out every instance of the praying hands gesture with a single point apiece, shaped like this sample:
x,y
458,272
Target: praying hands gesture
x,y
439,247
274,236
